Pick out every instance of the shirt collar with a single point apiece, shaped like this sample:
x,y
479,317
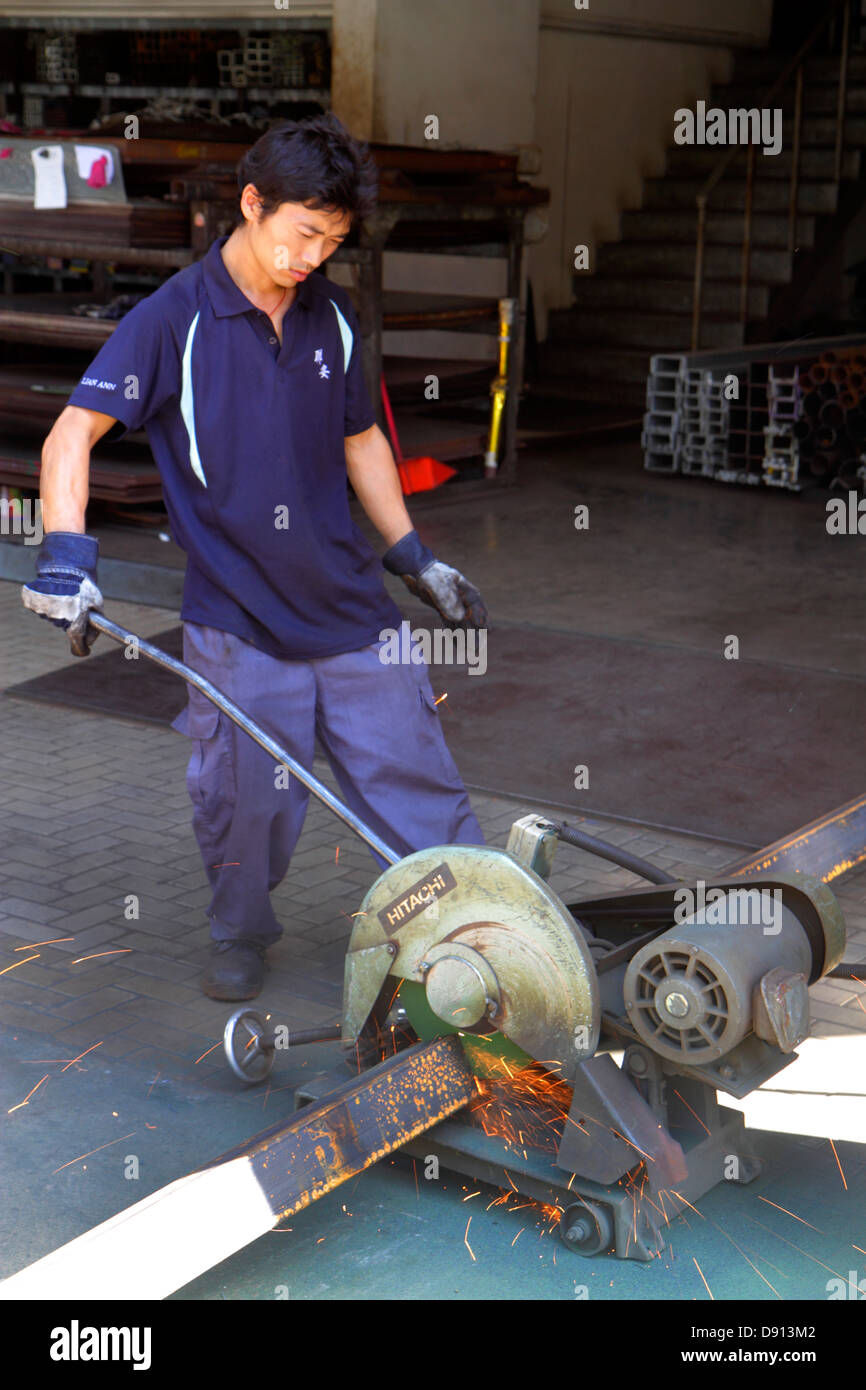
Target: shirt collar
x,y
228,298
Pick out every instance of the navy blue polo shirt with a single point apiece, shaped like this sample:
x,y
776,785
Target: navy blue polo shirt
x,y
248,436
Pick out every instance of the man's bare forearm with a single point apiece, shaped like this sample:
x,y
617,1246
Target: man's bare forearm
x,y
373,474
63,485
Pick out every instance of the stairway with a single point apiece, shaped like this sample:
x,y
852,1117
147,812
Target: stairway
x,y
639,299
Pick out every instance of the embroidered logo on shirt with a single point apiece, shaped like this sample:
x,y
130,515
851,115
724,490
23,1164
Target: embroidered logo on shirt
x,y
318,359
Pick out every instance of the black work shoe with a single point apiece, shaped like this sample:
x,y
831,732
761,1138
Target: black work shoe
x,y
236,970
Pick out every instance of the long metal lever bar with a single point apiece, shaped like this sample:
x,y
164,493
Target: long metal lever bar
x,y
243,721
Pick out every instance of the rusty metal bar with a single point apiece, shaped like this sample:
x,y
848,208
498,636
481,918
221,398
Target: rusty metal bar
x,y
826,848
795,161
171,1237
351,1128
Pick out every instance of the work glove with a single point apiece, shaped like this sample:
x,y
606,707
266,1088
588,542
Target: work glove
x,y
64,589
440,586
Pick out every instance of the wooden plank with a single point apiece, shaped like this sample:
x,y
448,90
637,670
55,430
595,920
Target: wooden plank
x,y
61,330
173,1236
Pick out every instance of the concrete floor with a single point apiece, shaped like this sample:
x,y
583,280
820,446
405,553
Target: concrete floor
x,y
95,809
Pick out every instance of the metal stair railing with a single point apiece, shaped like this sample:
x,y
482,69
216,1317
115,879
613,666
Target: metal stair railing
x,y
793,68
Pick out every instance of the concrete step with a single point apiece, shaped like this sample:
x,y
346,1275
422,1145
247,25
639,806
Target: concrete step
x,y
769,195
564,356
698,161
654,332
594,376
766,267
760,69
817,97
665,295
677,225
821,131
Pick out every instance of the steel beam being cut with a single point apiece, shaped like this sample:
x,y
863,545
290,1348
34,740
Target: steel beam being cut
x,y
174,1235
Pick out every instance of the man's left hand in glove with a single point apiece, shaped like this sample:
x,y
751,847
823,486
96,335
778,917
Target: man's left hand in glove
x,y
440,586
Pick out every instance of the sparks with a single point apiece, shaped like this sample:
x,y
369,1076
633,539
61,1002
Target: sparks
x,y
839,1165
472,1194
785,1241
617,1135
517,1237
787,1213
92,1151
701,1273
79,1057
688,1204
121,951
205,1054
441,698
19,962
749,1262
689,1108
466,1239
52,942
27,1097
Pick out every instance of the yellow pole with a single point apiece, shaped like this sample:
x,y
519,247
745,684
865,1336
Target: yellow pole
x,y
499,387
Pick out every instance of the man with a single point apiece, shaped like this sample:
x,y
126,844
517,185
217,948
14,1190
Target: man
x,y
245,369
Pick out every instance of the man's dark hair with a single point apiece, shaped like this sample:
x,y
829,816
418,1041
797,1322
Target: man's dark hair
x,y
315,162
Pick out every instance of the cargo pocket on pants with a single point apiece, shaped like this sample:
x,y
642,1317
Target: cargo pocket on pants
x,y
210,778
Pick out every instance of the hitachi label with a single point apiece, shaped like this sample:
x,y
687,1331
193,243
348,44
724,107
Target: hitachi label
x,y
419,896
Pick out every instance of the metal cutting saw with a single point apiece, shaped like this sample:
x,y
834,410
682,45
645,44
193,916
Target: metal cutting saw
x,y
599,1033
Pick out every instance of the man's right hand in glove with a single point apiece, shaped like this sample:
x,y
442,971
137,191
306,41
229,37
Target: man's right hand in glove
x,y
65,588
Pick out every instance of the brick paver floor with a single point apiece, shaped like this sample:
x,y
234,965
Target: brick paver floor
x,y
94,820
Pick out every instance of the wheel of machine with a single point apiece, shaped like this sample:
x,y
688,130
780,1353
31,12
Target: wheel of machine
x,y
586,1228
242,1042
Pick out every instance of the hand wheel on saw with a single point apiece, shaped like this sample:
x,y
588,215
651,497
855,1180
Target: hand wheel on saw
x,y
248,1046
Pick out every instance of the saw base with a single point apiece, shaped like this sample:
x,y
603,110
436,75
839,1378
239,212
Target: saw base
x,y
627,1218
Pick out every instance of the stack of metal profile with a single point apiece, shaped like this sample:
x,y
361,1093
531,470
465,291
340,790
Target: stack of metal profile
x,y
704,422
661,423
266,60
56,57
781,466
782,415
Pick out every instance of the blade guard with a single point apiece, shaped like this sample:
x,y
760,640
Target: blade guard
x,y
494,937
